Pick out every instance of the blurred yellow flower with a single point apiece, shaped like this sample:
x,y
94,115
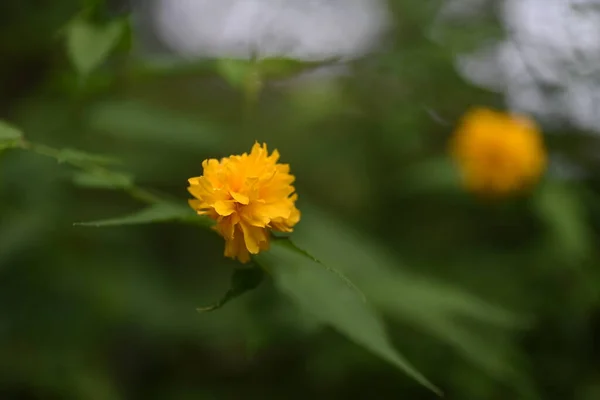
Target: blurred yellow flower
x,y
498,153
248,195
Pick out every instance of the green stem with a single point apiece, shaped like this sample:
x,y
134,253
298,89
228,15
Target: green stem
x,y
252,87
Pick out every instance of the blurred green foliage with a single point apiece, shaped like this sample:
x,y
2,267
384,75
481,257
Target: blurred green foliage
x,y
485,300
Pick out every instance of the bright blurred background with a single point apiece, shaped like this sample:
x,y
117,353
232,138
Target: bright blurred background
x,y
490,300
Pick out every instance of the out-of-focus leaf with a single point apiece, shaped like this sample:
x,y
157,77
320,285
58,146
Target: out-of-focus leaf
x,y
9,133
243,75
234,71
78,157
239,73
242,281
157,66
161,212
434,175
430,306
315,100
146,123
322,293
488,354
561,208
109,180
89,45
280,68
441,300
94,385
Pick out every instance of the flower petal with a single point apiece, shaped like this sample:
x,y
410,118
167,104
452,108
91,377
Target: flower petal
x,y
253,237
240,198
225,207
235,248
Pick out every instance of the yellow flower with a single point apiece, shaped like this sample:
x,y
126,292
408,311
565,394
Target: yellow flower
x,y
248,195
498,153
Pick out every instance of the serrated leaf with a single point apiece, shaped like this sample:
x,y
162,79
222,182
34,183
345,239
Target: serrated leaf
x,y
323,294
89,45
161,212
9,132
108,180
242,281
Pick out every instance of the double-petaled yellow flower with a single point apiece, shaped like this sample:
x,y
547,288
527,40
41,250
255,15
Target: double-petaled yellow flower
x,y
498,153
248,195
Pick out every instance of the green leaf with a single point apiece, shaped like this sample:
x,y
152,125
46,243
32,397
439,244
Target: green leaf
x,y
108,180
242,281
73,156
240,72
323,294
143,122
560,207
234,71
286,242
9,134
280,68
89,45
161,212
159,66
444,311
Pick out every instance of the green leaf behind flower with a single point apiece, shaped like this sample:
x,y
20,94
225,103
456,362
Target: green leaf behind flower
x,y
441,310
323,294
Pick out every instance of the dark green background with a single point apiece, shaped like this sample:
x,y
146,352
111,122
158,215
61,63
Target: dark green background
x,y
110,313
